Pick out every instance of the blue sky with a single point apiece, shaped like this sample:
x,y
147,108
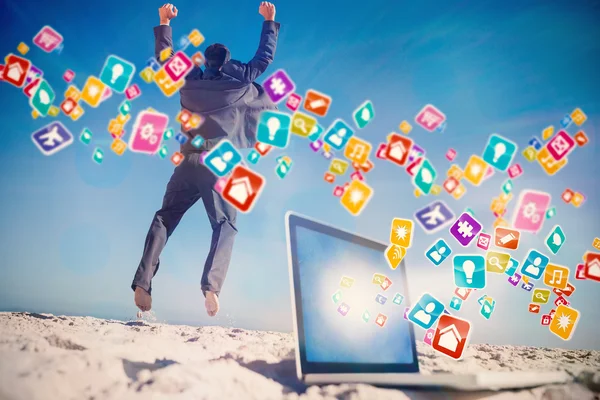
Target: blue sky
x,y
73,231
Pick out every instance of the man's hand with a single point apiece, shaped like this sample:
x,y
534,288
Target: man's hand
x,y
167,12
267,10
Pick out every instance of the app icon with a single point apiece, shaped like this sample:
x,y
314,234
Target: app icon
x,y
591,268
273,129
469,271
283,168
293,101
343,309
147,133
98,155
581,139
428,338
405,127
534,308
530,211
385,285
416,151
363,114
514,279
378,279
465,229
578,116
337,296
165,84
475,170
52,138
534,265
338,134
506,238
426,311
398,298
147,75
198,141
278,86
496,262
549,163
512,267
181,138
462,293
564,322
451,336
381,319
450,184
92,91
117,73
401,232
346,282
530,154
317,103
483,241
394,255
47,39
438,252
366,316
555,239
302,124
315,134
41,101
541,296
16,70
398,149
253,156
434,217
425,177
499,152
356,197
243,188
456,303
22,48
527,286
414,167
86,136
450,155
566,121
487,309
223,158
178,66
338,167
568,291
118,146
132,92
577,199
560,145
381,299
357,150
430,118
561,301
556,276
163,151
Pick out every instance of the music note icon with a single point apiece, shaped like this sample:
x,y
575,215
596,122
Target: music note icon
x,y
357,150
556,276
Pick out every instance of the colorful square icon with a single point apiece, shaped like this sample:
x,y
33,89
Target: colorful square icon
x,y
278,86
165,84
338,166
555,240
338,134
253,156
282,169
117,73
469,271
556,276
534,265
560,145
178,66
177,158
274,129
223,158
540,296
356,197
16,70
564,322
496,262
357,150
346,282
366,316
22,48
426,311
394,255
456,303
434,217
98,155
506,238
451,336
514,279
52,138
386,283
302,124
549,163
450,184
118,146
405,127
515,171
398,149
363,114
41,101
451,155
512,267
86,136
483,241
381,299
425,177
343,309
578,116
397,299
534,308
317,103
381,319
147,75
487,308
147,132
181,138
529,153
462,293
401,232
293,101
76,113
337,297
566,121
499,152
243,188
581,138
430,118
530,211
315,134
465,229
591,268
47,39
475,170
92,91
132,92
438,252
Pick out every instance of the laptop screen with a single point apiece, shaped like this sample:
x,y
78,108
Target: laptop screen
x,y
347,322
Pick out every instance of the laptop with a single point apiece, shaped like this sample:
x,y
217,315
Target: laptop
x,y
338,338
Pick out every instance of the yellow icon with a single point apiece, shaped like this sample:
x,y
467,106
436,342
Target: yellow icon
x,y
346,282
147,75
578,116
496,262
525,279
92,92
378,279
165,54
530,153
357,150
548,163
401,232
436,190
73,93
455,172
23,49
564,322
114,127
302,124
489,299
577,199
122,119
556,276
196,120
390,136
475,170
53,111
34,114
326,148
500,222
459,191
497,206
338,166
596,244
76,113
196,38
356,196
165,84
394,255
118,146
405,127
417,193
505,198
548,132
540,296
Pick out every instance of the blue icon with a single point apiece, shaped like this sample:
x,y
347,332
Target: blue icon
x,y
555,239
42,98
469,271
253,156
398,299
534,265
274,129
438,252
282,169
426,311
527,286
441,128
181,138
338,134
487,309
183,43
536,143
223,158
153,63
315,133
197,141
566,121
425,177
52,138
507,186
434,217
499,152
381,299
456,303
117,73
512,267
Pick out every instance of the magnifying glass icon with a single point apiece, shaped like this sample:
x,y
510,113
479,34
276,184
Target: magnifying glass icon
x,y
495,262
540,296
300,124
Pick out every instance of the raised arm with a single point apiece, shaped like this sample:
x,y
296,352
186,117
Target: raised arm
x,y
163,34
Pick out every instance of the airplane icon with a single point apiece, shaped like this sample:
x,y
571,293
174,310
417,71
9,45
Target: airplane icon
x,y
52,138
434,217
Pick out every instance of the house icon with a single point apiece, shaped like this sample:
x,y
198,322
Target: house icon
x,y
449,338
397,151
240,190
593,269
14,72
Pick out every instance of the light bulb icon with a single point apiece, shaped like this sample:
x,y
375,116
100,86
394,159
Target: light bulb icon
x,y
469,268
499,150
117,71
273,124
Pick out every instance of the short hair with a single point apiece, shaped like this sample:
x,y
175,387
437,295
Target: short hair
x,y
216,55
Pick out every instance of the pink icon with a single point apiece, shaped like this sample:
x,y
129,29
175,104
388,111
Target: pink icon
x,y
451,154
560,145
429,336
530,211
47,39
107,93
132,92
338,191
178,66
68,76
406,310
515,171
293,101
147,133
483,241
357,176
381,150
580,272
220,184
488,173
430,118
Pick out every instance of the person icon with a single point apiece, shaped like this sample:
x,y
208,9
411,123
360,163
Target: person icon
x,y
533,269
337,137
220,163
424,316
438,254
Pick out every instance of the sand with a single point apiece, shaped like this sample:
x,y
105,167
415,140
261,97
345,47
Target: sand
x,y
57,357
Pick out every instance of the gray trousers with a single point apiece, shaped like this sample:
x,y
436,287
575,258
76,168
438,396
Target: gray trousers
x,y
190,182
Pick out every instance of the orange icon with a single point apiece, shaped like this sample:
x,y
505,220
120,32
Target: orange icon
x,y
329,177
394,255
92,91
475,170
506,238
401,232
455,172
556,276
596,243
564,322
548,163
76,113
577,199
118,146
451,336
578,116
405,127
122,119
356,196
459,191
500,222
177,158
581,139
548,132
196,38
357,150
317,103
73,93
114,127
166,84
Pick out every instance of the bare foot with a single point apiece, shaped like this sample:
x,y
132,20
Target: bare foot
x,y
142,299
211,303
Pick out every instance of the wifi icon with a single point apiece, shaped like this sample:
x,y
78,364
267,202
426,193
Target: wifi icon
x,y
394,255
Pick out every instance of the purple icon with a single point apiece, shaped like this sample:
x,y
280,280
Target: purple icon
x,y
316,145
33,73
527,286
514,280
278,86
465,229
415,152
343,309
434,217
406,310
429,336
52,138
327,154
381,299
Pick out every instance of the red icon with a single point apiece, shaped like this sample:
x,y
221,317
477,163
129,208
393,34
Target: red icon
x,y
364,167
534,308
560,145
381,320
592,266
581,138
132,92
561,301
506,238
317,103
515,171
567,195
178,66
68,106
177,158
338,191
356,175
385,285
243,188
580,272
262,148
381,150
68,76
451,335
568,291
451,154
329,177
462,293
546,319
1,72
30,89
198,59
398,149
293,101
450,184
15,70
413,167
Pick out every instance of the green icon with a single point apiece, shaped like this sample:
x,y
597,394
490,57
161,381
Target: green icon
x,y
125,107
98,155
470,212
117,73
42,98
507,187
337,296
398,299
282,169
551,212
364,114
487,309
162,153
169,133
198,141
253,156
366,316
555,239
425,177
86,136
